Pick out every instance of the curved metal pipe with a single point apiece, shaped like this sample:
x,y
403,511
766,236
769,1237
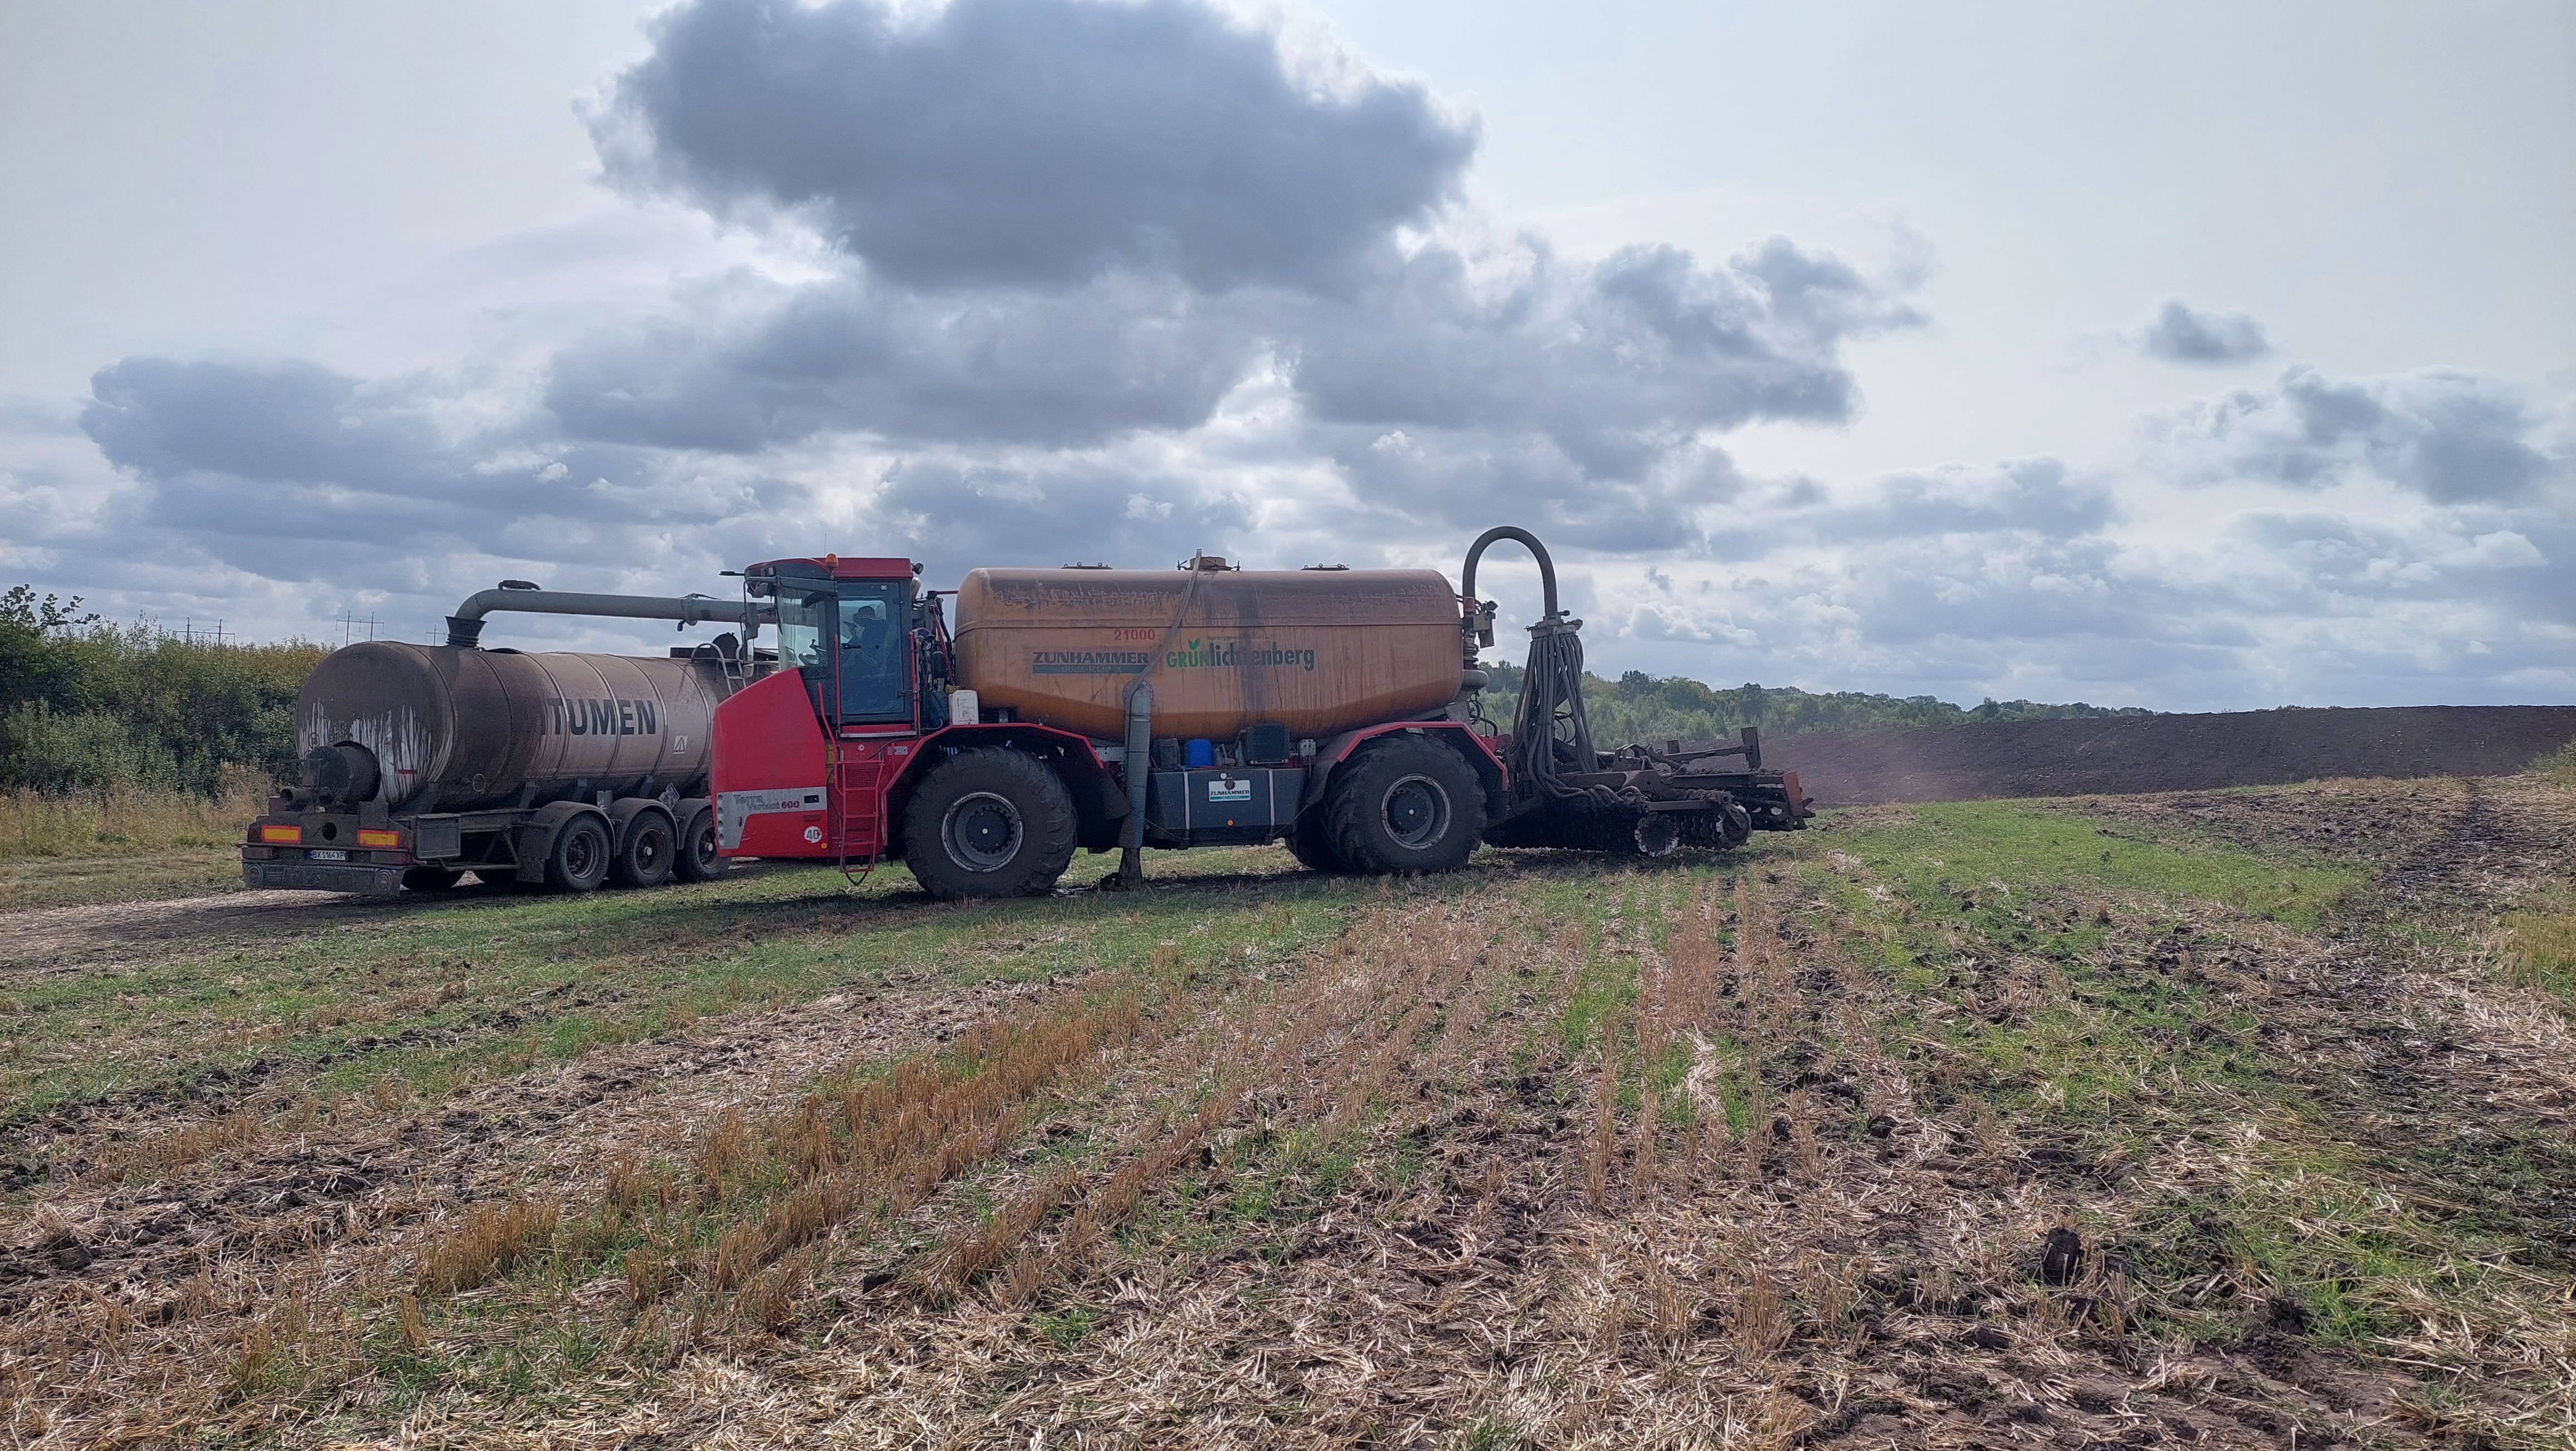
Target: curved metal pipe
x,y
465,627
1546,566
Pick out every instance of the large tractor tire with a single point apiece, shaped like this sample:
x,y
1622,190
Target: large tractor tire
x,y
1404,805
646,849
580,859
989,822
696,859
1312,844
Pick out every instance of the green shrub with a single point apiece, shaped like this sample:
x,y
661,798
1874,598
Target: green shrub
x,y
90,706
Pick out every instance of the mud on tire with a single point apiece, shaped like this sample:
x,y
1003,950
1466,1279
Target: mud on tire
x,y
1312,843
989,822
1404,804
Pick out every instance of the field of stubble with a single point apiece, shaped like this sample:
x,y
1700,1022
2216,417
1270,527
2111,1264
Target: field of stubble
x,y
2214,1119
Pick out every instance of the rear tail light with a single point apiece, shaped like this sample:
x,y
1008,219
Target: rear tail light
x,y
367,837
281,833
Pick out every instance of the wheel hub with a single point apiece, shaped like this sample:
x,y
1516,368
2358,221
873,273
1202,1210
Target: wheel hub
x,y
1417,811
982,832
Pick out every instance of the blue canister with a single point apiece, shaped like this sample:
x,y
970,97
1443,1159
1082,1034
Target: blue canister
x,y
1195,754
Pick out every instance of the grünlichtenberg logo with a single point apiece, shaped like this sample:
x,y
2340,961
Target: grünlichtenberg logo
x,y
1237,655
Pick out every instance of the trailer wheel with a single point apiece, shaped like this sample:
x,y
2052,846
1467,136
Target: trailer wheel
x,y
989,823
1312,845
1405,805
696,859
644,851
579,861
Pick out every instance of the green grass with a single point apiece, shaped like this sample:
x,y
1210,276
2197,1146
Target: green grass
x,y
2540,945
1977,854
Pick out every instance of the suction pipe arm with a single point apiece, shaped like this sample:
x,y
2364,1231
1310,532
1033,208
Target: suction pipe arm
x,y
1546,566
465,627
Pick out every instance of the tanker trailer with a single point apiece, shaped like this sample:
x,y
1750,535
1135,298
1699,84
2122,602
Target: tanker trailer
x,y
424,762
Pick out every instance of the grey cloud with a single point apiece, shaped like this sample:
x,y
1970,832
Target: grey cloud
x,y
954,515
1945,611
1031,141
286,423
1581,388
291,471
2034,496
1465,482
2450,436
848,355
1616,362
2181,333
2459,558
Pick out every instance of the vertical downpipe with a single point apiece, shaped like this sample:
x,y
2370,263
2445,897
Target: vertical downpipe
x,y
1140,754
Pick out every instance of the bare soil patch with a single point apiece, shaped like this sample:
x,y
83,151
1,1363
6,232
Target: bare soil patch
x,y
2133,754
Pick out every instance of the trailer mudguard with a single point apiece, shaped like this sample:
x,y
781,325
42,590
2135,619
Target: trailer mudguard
x,y
1456,735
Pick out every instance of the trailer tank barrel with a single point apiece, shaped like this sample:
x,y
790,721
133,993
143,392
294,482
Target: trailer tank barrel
x,y
459,729
1320,651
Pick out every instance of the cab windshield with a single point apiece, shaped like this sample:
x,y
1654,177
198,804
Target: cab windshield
x,y
851,642
806,618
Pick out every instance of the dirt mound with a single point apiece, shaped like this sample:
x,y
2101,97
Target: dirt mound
x,y
2131,754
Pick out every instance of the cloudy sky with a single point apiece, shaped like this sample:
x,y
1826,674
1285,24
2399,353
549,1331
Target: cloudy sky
x,y
2191,356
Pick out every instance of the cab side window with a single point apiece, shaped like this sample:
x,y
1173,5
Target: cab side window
x,y
875,665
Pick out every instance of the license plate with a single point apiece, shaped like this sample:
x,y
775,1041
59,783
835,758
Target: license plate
x,y
323,855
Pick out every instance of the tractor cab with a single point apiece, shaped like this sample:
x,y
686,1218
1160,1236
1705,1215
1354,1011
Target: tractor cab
x,y
820,758
869,646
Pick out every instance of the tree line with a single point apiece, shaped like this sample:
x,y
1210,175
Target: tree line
x,y
1638,707
86,705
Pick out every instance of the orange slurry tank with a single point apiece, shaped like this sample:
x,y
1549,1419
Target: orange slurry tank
x,y
1319,651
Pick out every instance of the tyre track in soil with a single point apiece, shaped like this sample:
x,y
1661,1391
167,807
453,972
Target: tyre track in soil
x,y
318,1190
2454,1104
40,940
2374,1022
